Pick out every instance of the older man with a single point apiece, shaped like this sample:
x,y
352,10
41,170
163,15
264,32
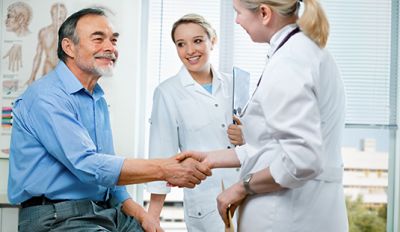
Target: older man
x,y
63,169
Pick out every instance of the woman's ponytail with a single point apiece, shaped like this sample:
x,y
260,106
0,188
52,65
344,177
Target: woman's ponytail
x,y
314,23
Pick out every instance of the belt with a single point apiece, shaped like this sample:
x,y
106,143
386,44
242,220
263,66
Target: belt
x,y
41,200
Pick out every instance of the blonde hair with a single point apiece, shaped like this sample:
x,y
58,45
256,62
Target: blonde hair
x,y
313,22
196,19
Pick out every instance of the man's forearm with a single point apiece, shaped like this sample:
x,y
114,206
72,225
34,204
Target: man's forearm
x,y
136,171
187,173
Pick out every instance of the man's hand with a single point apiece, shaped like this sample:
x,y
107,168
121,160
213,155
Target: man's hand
x,y
185,172
148,223
235,133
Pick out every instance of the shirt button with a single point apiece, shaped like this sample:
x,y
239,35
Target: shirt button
x,y
222,125
199,213
216,105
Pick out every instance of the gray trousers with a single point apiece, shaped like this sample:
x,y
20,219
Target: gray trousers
x,y
74,216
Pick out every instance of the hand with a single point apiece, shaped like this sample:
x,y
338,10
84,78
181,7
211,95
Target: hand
x,y
155,218
230,199
150,224
131,208
234,131
14,56
185,173
197,155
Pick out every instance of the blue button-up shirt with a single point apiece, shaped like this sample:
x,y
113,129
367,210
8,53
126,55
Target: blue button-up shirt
x,y
61,142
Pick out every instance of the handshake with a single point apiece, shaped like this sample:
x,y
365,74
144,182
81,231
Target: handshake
x,y
185,169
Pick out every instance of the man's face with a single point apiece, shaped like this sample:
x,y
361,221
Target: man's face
x,y
96,51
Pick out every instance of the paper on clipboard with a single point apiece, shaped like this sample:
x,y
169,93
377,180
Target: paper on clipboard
x,y
231,227
241,86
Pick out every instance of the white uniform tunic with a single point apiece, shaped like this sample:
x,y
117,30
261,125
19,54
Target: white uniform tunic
x,y
293,124
187,117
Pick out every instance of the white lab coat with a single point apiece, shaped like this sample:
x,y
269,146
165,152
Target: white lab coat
x,y
293,124
187,117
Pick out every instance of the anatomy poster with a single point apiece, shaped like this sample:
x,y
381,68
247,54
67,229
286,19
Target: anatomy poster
x,y
29,38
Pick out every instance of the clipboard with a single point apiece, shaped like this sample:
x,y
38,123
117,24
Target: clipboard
x,y
240,88
231,227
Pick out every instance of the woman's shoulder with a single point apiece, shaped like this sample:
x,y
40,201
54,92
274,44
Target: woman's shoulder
x,y
224,77
169,82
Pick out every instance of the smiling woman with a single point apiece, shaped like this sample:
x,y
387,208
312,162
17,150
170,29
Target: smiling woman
x,y
192,110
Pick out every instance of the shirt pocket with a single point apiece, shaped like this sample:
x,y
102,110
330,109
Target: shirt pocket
x,y
194,115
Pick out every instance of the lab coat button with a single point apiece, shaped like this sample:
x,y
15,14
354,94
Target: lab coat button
x,y
199,213
216,105
223,125
228,147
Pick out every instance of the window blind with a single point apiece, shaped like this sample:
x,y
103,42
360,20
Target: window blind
x,y
360,40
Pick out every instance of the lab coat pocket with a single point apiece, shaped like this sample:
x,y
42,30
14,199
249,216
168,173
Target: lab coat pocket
x,y
199,211
194,116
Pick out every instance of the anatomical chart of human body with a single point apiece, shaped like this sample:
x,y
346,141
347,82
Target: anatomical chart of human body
x,y
29,40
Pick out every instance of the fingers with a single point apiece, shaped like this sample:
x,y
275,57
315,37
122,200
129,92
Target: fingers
x,y
200,171
223,209
235,134
187,173
204,169
236,120
14,58
199,156
182,156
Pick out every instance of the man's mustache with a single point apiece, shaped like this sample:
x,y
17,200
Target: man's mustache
x,y
107,56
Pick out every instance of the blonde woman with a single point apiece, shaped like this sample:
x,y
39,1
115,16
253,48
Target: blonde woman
x,y
193,110
291,177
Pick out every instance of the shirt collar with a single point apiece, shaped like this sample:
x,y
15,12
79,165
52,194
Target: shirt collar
x,y
278,37
71,82
187,79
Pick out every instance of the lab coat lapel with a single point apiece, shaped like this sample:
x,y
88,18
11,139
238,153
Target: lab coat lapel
x,y
190,84
216,81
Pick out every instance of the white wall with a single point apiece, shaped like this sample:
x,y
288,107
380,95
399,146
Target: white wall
x,y
120,89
